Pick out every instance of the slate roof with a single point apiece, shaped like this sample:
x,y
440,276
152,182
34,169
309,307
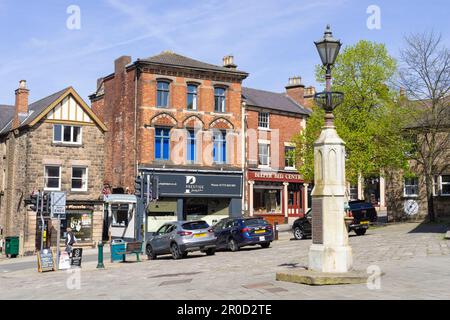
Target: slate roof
x,y
34,110
171,58
272,100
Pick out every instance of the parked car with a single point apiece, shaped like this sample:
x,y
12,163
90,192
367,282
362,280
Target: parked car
x,y
363,214
360,215
181,237
235,233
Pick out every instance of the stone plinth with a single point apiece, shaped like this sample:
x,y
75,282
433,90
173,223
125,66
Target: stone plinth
x,y
315,278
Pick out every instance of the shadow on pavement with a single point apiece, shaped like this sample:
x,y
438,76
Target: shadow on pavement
x,y
431,227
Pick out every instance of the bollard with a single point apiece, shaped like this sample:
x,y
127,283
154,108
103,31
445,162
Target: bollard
x,y
100,264
275,229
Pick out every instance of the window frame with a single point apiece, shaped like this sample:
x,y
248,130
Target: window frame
x,y
158,91
286,162
260,165
46,177
405,186
162,138
191,137
441,185
221,146
195,96
223,99
267,120
86,178
71,142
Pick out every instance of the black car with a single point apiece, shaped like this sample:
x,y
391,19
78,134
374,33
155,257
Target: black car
x,y
360,215
235,233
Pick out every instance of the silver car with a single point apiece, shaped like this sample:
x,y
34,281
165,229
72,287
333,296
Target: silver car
x,y
181,237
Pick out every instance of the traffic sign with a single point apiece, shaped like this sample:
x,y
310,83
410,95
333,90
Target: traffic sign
x,y
58,204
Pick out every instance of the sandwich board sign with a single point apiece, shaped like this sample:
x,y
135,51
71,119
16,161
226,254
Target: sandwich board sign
x,y
46,261
58,204
77,255
64,261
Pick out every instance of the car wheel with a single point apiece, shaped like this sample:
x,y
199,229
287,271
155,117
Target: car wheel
x,y
175,251
185,254
298,233
210,252
232,245
360,232
265,245
150,253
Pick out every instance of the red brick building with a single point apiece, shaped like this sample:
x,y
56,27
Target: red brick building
x,y
181,120
274,189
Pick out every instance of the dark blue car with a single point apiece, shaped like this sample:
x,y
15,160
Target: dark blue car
x,y
235,233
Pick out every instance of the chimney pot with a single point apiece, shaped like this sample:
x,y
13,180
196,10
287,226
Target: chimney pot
x,y
228,62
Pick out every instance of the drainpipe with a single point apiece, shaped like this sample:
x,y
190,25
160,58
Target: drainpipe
x,y
243,155
135,120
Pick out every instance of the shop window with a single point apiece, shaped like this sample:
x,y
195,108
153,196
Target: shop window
x,y
191,143
219,100
120,213
264,154
162,143
445,185
163,94
289,157
220,147
267,201
263,120
79,179
192,97
81,224
66,134
52,178
411,187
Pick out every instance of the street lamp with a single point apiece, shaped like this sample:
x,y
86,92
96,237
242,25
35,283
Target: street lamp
x,y
328,48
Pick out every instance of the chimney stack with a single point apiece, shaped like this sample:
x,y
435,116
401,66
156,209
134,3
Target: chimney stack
x,y
228,62
296,90
21,105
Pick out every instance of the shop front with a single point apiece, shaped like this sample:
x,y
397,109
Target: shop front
x,y
187,195
276,196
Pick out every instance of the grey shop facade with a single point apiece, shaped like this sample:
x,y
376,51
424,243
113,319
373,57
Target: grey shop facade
x,y
187,195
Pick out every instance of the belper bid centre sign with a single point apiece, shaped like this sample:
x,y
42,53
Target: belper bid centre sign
x,y
200,185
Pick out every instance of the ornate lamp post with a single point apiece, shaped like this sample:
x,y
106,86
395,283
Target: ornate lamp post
x,y
330,252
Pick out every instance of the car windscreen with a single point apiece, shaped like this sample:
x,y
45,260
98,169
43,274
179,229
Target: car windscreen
x,y
196,225
254,222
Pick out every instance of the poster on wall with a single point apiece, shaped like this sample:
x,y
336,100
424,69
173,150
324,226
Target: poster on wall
x,y
81,225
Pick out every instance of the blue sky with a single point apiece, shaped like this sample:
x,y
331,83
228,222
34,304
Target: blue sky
x,y
270,39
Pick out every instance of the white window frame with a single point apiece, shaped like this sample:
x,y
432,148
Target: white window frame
x,y
268,155
441,184
46,177
404,188
289,167
71,142
86,178
268,120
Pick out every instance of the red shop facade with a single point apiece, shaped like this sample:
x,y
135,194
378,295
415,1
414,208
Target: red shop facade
x,y
278,196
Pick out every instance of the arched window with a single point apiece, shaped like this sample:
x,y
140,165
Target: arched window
x,y
163,94
219,99
192,97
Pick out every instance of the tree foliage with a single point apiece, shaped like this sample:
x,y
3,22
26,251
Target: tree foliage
x,y
369,120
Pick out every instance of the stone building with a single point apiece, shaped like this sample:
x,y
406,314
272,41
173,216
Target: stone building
x,y
53,144
180,120
274,189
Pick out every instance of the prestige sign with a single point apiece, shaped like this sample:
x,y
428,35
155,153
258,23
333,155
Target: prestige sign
x,y
200,185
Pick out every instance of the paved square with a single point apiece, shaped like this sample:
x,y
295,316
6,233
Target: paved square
x,y
415,259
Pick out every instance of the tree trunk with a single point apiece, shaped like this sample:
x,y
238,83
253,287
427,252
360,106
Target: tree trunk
x,y
429,188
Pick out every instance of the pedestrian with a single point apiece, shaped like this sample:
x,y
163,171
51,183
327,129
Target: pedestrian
x,y
70,241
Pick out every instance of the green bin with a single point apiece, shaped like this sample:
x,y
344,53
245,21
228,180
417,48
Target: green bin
x,y
12,246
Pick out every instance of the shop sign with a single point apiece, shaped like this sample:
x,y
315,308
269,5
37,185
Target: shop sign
x,y
46,260
77,254
275,176
188,185
64,261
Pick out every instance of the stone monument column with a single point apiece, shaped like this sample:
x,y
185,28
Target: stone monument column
x,y
330,251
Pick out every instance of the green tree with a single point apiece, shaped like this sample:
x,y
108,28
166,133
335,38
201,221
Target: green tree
x,y
369,120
